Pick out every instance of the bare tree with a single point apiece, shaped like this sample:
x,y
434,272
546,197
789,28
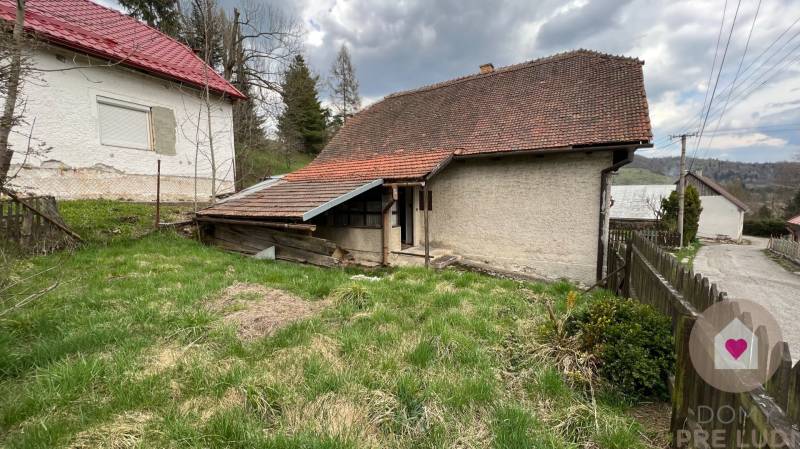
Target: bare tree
x,y
344,85
12,74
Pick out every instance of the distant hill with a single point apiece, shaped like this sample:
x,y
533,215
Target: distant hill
x,y
750,173
769,184
639,176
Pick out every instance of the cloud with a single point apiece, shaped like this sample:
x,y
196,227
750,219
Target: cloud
x,y
399,45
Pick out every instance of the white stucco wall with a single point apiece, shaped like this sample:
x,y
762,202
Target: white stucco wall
x,y
720,217
536,215
64,106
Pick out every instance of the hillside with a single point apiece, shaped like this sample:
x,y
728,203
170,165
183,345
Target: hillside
x,y
757,184
640,176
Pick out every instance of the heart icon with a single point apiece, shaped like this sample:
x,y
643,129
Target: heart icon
x,y
736,347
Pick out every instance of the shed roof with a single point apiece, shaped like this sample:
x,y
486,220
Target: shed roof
x,y
711,184
103,32
297,200
638,202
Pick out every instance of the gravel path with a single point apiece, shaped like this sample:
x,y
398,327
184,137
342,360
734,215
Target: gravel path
x,y
744,271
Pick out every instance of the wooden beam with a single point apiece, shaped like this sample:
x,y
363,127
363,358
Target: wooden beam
x,y
265,224
37,212
427,233
386,213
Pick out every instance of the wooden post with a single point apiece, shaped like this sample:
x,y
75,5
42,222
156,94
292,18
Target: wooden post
x,y
158,194
386,215
427,233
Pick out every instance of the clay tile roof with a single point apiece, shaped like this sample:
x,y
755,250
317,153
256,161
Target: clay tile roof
x,y
395,166
574,99
289,200
720,190
93,29
794,220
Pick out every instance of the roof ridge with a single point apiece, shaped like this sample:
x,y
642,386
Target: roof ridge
x,y
513,67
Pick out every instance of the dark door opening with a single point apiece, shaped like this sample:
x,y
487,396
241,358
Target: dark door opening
x,y
405,214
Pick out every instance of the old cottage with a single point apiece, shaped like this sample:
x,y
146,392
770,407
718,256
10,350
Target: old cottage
x,y
723,213
507,167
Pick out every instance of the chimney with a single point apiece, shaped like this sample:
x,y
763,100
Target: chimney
x,y
487,68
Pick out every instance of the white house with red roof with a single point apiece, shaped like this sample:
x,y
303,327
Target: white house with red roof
x,y
109,98
793,225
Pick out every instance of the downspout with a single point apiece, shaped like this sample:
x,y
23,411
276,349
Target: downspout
x,y
605,202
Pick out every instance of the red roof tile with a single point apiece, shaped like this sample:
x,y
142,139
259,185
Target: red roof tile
x,y
794,220
395,166
90,28
579,98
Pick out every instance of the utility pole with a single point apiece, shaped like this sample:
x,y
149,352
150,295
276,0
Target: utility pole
x,y
682,183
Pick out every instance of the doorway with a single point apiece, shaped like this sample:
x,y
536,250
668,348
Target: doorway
x,y
405,215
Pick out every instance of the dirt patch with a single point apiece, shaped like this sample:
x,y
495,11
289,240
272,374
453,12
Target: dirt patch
x,y
124,431
257,311
655,419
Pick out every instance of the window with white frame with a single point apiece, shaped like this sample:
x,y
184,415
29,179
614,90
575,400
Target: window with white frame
x,y
124,124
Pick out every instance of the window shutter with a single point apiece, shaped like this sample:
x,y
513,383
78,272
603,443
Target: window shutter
x,y
123,125
164,130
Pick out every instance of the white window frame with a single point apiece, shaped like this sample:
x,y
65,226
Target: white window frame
x,y
125,105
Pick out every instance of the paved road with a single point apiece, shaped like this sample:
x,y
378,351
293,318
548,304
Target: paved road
x,y
744,271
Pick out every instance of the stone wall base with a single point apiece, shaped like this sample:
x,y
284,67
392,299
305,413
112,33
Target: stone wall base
x,y
107,183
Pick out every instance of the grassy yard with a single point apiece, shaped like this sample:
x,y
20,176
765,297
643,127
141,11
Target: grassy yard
x,y
687,254
135,348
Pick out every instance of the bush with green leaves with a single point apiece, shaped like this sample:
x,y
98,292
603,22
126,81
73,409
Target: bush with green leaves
x,y
765,228
691,213
632,343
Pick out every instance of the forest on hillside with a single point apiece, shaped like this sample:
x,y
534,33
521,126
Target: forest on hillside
x,y
766,187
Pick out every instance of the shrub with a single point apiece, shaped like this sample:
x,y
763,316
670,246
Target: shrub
x,y
765,228
691,213
631,341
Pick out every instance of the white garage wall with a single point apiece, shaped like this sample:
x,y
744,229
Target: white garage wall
x,y
64,106
720,217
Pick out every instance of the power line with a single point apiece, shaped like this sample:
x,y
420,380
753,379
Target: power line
x,y
736,76
731,87
716,82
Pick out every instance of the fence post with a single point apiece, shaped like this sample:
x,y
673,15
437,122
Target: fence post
x,y
683,367
626,279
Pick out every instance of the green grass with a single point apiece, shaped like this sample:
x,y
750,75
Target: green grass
x,y
125,353
259,164
688,253
640,176
105,221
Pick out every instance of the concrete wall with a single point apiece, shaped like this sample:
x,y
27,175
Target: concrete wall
x,y
64,106
536,215
720,217
364,244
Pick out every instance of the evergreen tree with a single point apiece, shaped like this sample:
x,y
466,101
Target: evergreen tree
x,y
691,213
204,22
344,86
165,15
793,208
302,124
764,212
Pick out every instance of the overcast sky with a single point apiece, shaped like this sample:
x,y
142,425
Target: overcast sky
x,y
401,44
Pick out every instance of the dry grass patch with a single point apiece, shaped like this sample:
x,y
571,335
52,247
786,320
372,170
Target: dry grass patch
x,y
256,311
123,432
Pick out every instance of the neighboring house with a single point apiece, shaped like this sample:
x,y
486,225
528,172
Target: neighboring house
x,y
637,206
508,167
793,225
723,213
110,97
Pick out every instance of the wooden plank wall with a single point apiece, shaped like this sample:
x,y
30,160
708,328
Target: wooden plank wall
x,y
293,246
655,277
29,231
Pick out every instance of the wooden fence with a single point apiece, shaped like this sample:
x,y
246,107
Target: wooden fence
x,y
662,238
770,413
33,224
786,248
